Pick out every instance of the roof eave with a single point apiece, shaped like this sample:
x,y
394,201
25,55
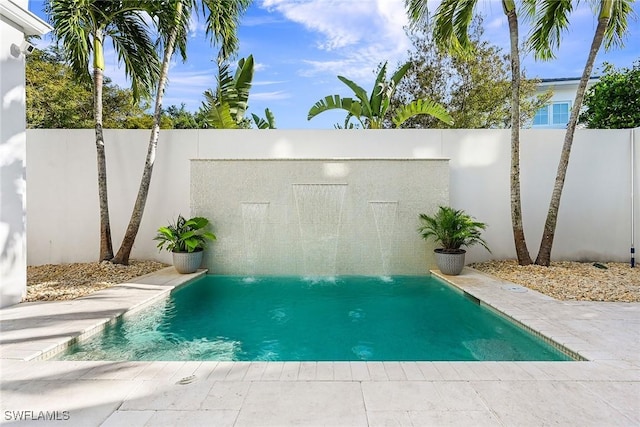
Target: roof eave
x,y
27,21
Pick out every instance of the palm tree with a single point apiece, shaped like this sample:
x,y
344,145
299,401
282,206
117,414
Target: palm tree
x,y
82,28
371,111
611,28
226,108
451,32
172,18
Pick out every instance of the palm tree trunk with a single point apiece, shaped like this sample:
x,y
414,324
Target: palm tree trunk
x,y
122,257
544,253
516,203
106,248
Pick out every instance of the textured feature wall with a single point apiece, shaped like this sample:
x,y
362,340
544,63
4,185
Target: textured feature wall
x,y
318,217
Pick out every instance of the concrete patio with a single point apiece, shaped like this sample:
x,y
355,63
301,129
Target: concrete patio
x,y
602,391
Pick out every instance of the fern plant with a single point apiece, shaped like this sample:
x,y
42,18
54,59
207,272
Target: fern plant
x,y
452,229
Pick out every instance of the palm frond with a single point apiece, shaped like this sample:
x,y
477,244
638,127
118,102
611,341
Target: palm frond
x,y
418,12
72,29
135,49
451,24
172,16
551,19
223,20
621,12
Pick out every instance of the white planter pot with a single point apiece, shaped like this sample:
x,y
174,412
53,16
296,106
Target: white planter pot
x,y
450,264
187,262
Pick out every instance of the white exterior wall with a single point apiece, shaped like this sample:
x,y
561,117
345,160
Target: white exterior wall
x,y
594,221
563,92
12,162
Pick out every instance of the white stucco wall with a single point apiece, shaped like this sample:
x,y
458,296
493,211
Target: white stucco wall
x,y
594,221
12,159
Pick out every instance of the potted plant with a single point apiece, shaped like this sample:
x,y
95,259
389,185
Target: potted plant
x,y
186,239
452,229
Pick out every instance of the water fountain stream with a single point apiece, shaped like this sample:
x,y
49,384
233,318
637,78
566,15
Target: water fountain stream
x,y
254,216
319,208
384,215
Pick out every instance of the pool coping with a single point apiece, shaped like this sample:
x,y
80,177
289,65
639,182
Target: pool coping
x,y
607,334
122,299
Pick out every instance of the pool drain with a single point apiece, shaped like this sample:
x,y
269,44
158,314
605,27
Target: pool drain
x,y
187,380
514,288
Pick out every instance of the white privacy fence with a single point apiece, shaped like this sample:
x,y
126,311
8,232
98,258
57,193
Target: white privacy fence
x,y
595,220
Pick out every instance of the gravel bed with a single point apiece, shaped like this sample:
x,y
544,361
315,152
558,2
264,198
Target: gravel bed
x,y
572,281
562,280
61,282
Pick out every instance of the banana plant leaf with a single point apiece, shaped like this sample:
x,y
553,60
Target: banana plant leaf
x,y
421,106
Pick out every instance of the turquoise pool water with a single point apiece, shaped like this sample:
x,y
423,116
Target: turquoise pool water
x,y
305,319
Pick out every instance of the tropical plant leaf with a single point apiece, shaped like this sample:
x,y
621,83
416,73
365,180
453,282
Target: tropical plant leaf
x,y
184,235
360,93
222,21
452,228
421,106
335,102
398,75
551,19
270,118
219,117
268,123
196,223
452,19
242,81
377,95
260,122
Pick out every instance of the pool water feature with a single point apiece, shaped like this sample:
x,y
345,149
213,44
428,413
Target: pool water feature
x,y
343,318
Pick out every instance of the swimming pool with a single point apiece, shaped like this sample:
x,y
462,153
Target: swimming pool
x,y
344,318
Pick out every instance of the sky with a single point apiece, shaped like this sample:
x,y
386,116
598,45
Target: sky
x,y
301,46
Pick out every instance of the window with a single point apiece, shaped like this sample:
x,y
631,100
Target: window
x,y
542,116
560,113
554,115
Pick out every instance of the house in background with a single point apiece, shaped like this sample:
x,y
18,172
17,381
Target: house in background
x,y
16,22
555,115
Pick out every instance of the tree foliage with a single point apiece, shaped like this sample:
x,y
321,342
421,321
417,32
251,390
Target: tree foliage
x,y
57,100
475,89
181,118
614,101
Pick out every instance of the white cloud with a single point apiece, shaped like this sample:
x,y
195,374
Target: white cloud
x,y
268,82
192,78
269,96
358,34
